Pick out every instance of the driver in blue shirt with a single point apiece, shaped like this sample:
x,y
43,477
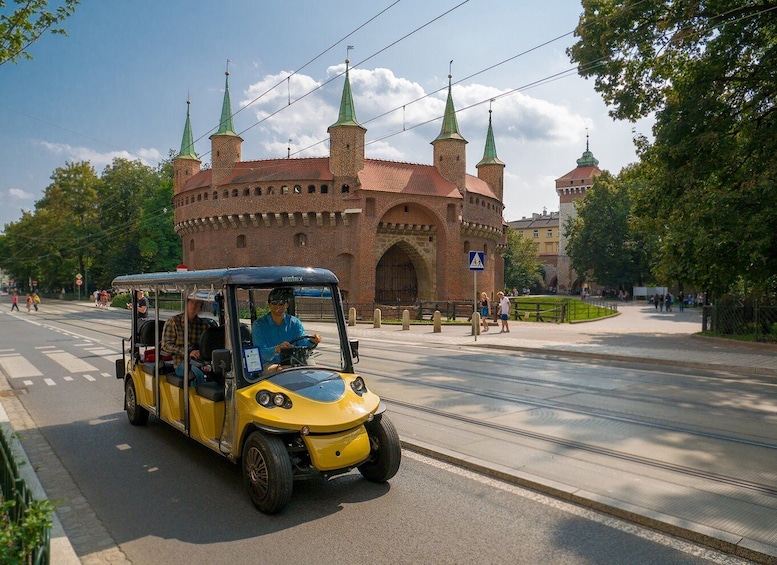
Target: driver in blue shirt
x,y
276,329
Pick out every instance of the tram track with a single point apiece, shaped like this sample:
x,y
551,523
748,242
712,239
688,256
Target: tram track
x,y
590,448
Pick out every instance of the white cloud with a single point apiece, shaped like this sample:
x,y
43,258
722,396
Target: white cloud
x,y
19,194
100,160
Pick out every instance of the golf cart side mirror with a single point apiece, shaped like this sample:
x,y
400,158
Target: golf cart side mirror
x,y
354,349
222,361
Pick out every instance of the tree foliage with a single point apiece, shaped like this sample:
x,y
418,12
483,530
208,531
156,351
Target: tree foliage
x,y
99,227
27,23
522,269
601,242
708,70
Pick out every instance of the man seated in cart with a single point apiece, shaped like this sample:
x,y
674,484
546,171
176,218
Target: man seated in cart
x,y
173,340
278,329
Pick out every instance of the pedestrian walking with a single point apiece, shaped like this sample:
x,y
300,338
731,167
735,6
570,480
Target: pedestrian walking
x,y
504,311
15,302
485,309
96,298
681,300
29,303
35,300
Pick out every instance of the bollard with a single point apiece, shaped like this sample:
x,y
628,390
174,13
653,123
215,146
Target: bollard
x,y
437,318
352,316
406,320
476,323
376,318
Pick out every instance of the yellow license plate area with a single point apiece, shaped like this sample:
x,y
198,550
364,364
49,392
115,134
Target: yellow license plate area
x,y
340,450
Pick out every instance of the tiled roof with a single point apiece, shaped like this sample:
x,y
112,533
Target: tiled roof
x,y
278,170
406,178
579,173
530,223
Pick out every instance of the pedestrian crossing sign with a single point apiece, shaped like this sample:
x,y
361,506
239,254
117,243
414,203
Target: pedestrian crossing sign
x,y
476,260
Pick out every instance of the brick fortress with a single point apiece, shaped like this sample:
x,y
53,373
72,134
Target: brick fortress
x,y
392,232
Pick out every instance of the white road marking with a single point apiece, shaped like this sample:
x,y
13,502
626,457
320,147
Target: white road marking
x,y
70,362
17,367
89,378
50,382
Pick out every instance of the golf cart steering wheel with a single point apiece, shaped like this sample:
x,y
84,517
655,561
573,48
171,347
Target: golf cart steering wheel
x,y
311,345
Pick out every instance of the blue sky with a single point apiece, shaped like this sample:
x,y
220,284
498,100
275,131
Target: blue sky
x,y
118,85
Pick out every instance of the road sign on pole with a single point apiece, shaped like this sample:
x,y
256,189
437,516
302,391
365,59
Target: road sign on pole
x,y
477,261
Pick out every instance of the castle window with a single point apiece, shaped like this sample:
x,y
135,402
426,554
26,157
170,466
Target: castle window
x,y
297,189
284,189
187,200
246,192
300,240
241,241
225,194
324,188
234,192
406,209
466,247
451,213
205,196
311,189
215,195
345,188
536,233
485,250
270,190
471,200
199,197
258,191
483,204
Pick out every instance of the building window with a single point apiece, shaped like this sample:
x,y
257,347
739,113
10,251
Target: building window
x,y
345,188
246,192
550,233
536,233
324,188
451,212
234,192
370,207
311,189
297,189
466,247
284,189
270,190
258,191
407,209
300,240
241,241
225,194
205,196
187,200
215,195
485,250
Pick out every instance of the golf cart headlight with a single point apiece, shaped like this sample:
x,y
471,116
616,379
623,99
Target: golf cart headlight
x,y
278,399
263,398
358,386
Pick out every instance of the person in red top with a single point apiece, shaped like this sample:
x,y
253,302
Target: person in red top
x,y
15,302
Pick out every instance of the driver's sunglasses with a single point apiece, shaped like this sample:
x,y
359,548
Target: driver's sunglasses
x,y
278,302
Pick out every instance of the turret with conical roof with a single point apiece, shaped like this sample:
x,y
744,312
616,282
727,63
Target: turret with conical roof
x,y
186,164
225,144
491,168
346,139
450,155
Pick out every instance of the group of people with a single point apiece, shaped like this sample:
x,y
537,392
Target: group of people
x,y
271,333
33,301
502,312
102,298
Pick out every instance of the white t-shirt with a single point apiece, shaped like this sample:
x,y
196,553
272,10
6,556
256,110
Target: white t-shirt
x,y
504,305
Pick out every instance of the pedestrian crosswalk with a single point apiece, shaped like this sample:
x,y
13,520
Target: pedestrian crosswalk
x,y
52,365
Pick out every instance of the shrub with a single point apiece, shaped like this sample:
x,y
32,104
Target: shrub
x,y
20,540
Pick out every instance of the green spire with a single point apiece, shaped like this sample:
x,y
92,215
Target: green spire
x,y
489,154
225,126
450,126
347,116
588,159
187,143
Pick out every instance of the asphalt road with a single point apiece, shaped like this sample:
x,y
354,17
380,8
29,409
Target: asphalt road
x,y
156,497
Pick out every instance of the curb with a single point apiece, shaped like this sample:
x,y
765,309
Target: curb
x,y
697,533
61,551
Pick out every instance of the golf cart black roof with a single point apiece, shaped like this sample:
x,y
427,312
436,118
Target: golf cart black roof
x,y
216,278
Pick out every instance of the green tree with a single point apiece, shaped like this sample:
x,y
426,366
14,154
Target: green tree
x,y
28,23
706,69
601,243
522,268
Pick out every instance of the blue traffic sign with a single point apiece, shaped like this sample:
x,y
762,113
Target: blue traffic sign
x,y
477,260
